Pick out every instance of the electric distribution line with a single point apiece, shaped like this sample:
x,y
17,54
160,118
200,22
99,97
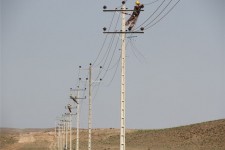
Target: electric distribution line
x,y
151,2
135,50
151,15
106,55
106,71
164,15
160,13
117,66
149,24
104,40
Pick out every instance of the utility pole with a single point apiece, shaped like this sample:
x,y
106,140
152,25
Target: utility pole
x,y
123,33
76,99
78,121
66,129
123,82
70,130
90,109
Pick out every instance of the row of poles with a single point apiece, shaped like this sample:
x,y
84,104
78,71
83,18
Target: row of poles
x,y
63,128
64,132
65,124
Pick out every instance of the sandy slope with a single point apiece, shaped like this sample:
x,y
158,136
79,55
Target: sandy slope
x,y
202,136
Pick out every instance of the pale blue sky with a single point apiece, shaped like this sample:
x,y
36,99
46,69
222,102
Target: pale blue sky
x,y
180,81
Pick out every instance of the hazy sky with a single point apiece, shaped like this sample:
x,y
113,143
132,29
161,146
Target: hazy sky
x,y
175,76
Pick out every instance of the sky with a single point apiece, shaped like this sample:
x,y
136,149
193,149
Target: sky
x,y
175,71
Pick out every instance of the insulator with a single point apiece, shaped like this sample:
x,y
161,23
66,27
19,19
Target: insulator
x,y
123,2
104,28
104,7
79,66
142,28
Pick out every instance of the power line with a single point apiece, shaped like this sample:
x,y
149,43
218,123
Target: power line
x,y
104,40
111,58
163,15
151,15
151,2
108,51
110,43
137,50
159,13
117,66
133,49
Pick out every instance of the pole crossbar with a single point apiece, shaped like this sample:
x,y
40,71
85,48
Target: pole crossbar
x,y
109,10
126,32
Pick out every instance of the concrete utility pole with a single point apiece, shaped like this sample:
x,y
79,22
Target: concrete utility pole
x,y
70,130
76,99
66,129
78,121
90,109
123,82
123,33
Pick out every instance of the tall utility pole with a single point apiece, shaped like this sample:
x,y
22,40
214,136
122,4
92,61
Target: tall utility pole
x,y
123,33
123,82
90,109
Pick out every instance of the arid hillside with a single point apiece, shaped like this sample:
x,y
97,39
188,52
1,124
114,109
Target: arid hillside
x,y
201,136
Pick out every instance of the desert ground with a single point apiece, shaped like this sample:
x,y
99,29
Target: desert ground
x,y
202,136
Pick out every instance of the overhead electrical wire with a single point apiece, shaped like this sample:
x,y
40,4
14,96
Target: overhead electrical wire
x,y
111,58
137,50
159,13
104,40
163,15
149,25
117,65
133,50
151,2
151,15
108,51
78,75
112,66
106,55
96,92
